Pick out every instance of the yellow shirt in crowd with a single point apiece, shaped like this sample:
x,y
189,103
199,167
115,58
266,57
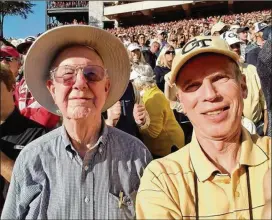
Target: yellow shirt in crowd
x,y
164,130
171,185
254,104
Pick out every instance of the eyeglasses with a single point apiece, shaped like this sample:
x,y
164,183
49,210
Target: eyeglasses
x,y
8,59
67,74
170,52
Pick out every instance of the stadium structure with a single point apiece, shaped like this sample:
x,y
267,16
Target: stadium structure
x,y
109,14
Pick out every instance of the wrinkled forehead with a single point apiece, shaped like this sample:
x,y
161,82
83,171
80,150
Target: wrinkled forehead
x,y
77,54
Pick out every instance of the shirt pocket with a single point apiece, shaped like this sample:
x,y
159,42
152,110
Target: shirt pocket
x,y
124,210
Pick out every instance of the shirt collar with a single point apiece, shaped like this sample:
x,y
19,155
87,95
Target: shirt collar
x,y
69,147
251,155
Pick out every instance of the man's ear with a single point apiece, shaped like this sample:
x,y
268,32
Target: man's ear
x,y
244,86
107,86
181,103
51,87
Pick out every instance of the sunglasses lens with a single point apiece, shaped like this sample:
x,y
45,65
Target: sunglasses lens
x,y
93,73
170,52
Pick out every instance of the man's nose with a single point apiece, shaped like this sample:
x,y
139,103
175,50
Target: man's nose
x,y
80,81
209,91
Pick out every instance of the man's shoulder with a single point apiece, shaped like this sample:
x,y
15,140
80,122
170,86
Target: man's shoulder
x,y
42,143
263,142
173,164
123,142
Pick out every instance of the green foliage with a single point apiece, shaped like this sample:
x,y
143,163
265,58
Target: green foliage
x,y
21,8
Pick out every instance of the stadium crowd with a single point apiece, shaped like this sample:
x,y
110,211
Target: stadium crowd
x,y
90,136
67,4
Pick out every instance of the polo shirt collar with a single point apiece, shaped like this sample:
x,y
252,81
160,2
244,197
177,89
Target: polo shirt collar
x,y
101,140
201,164
251,155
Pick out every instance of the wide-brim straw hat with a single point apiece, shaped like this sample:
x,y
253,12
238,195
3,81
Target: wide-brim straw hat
x,y
44,49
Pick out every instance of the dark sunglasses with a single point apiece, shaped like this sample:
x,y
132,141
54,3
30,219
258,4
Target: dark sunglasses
x,y
237,45
66,75
174,40
8,59
170,52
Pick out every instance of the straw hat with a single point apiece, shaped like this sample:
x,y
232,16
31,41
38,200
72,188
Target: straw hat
x,y
44,49
198,45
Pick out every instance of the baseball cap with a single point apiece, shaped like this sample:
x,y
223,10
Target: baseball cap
x,y
234,27
9,51
267,33
259,26
218,27
196,46
230,37
242,29
133,46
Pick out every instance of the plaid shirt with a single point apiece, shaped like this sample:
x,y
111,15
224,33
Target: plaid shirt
x,y
51,181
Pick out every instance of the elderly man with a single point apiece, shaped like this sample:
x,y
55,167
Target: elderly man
x,y
219,175
84,169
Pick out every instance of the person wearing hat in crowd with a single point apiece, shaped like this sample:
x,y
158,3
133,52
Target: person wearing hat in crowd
x,y
135,54
16,131
223,160
218,28
243,36
163,135
150,54
255,108
10,56
83,169
252,54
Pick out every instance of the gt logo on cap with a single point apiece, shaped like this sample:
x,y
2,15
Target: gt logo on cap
x,y
196,44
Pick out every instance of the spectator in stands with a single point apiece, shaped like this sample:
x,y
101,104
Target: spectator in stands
x,y
10,56
163,135
161,35
264,67
15,130
24,100
218,29
223,160
252,55
243,36
255,108
142,42
164,64
172,40
150,54
46,175
135,54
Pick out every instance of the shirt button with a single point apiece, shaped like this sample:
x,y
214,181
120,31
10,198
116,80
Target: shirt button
x,y
86,168
237,194
87,200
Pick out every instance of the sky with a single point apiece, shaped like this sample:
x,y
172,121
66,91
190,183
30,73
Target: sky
x,y
17,27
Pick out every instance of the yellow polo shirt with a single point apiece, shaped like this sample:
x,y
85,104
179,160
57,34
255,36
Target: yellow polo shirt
x,y
168,187
254,104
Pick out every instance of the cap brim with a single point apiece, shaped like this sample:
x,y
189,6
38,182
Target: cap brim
x,y
109,48
175,70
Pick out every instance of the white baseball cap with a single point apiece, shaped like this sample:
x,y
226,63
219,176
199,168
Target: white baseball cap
x,y
230,37
259,26
133,46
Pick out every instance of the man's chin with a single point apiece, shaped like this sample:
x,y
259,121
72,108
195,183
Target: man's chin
x,y
78,113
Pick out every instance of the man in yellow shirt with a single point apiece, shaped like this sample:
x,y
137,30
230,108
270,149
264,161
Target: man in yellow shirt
x,y
220,174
